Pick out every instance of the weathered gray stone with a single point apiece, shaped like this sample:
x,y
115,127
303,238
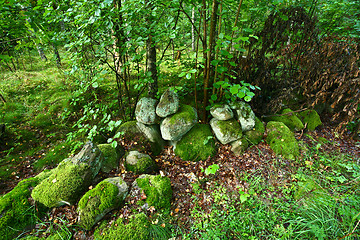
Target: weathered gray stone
x,y
169,104
226,131
239,146
152,132
96,203
245,115
222,112
139,163
174,127
69,180
145,111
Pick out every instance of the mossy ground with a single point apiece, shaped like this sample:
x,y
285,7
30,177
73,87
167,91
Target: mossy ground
x,y
16,210
255,135
289,118
198,144
96,202
136,229
281,140
157,190
66,183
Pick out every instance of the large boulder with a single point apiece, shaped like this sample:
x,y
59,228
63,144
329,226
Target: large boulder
x,y
255,135
226,131
141,137
97,202
145,111
282,140
16,207
310,118
111,156
70,179
174,127
289,118
168,105
155,191
139,163
245,115
221,112
198,144
137,228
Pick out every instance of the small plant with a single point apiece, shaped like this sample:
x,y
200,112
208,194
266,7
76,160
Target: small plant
x,y
212,169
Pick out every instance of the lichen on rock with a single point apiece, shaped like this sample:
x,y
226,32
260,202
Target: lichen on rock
x,y
96,203
255,135
226,131
168,104
281,140
222,112
245,115
156,188
239,146
145,111
111,156
174,127
140,163
198,144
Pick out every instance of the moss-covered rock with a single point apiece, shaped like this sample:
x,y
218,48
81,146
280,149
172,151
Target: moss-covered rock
x,y
245,115
16,210
281,140
111,156
174,127
255,135
239,146
140,163
136,229
310,118
198,144
156,188
64,186
96,203
145,111
139,140
169,104
226,131
221,112
289,118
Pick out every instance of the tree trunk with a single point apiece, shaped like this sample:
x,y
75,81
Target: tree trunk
x,y
193,29
57,55
41,52
151,55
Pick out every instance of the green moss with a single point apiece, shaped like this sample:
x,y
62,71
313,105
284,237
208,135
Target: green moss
x,y
289,119
186,113
65,185
198,144
144,164
311,118
308,189
281,140
16,212
255,135
100,200
157,190
111,156
137,229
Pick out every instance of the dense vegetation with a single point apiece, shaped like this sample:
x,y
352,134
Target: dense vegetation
x,y
106,55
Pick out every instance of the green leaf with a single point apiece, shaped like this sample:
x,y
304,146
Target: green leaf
x,y
95,85
114,144
221,35
188,76
247,99
234,89
192,71
182,74
240,94
214,97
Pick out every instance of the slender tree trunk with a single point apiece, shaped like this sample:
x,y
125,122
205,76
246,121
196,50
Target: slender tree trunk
x,y
41,52
57,55
193,29
151,55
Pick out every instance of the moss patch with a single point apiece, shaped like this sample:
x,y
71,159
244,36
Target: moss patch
x,y
186,113
111,156
281,140
16,212
308,189
64,186
140,163
198,144
97,202
289,119
311,118
157,190
137,228
255,135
